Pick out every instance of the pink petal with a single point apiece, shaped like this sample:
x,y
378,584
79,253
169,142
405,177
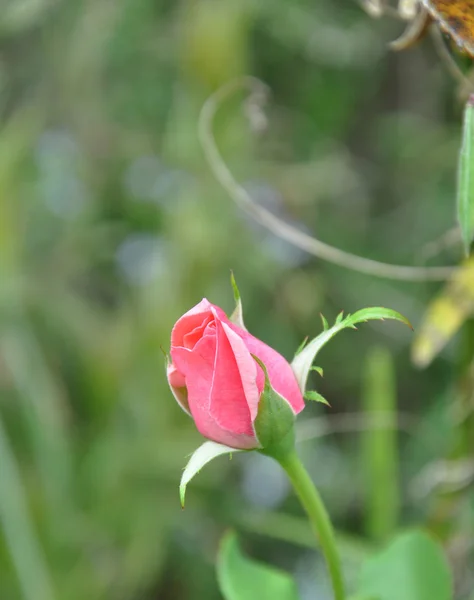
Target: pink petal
x,y
190,339
200,377
206,347
247,370
228,402
279,370
190,321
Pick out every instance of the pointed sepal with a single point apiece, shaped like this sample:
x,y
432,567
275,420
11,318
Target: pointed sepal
x,y
275,422
179,392
237,317
324,322
303,361
203,455
302,345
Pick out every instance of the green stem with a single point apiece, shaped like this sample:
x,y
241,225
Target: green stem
x,y
318,516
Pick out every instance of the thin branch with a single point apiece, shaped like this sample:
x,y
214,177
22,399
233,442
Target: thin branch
x,y
377,9
280,228
413,32
446,241
452,475
446,58
318,427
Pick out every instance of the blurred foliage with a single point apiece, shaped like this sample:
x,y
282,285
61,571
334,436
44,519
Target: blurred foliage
x,y
111,226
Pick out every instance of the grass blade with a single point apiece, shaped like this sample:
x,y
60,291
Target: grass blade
x,y
379,446
465,198
26,553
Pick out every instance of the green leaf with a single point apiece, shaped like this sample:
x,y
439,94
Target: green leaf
x,y
375,313
241,578
445,315
465,192
315,397
200,458
413,567
301,364
275,420
237,317
318,370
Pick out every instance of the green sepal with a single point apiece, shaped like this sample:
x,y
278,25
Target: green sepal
x,y
302,345
275,422
237,317
324,322
166,356
200,457
412,567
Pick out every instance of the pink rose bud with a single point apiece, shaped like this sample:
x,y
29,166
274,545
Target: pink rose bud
x,y
216,380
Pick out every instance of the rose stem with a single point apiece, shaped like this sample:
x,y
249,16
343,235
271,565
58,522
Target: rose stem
x,y
318,516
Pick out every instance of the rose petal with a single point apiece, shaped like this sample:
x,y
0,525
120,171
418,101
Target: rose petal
x,y
200,376
247,370
190,321
279,370
191,338
206,347
228,402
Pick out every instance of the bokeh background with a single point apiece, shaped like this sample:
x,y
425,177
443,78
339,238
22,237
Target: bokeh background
x,y
112,225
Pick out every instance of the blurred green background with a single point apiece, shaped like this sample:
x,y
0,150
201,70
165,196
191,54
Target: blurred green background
x,y
112,225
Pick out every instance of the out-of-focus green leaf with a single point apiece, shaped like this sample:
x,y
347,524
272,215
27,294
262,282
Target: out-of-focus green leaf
x,y
445,315
17,526
44,409
466,177
241,578
22,14
413,567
